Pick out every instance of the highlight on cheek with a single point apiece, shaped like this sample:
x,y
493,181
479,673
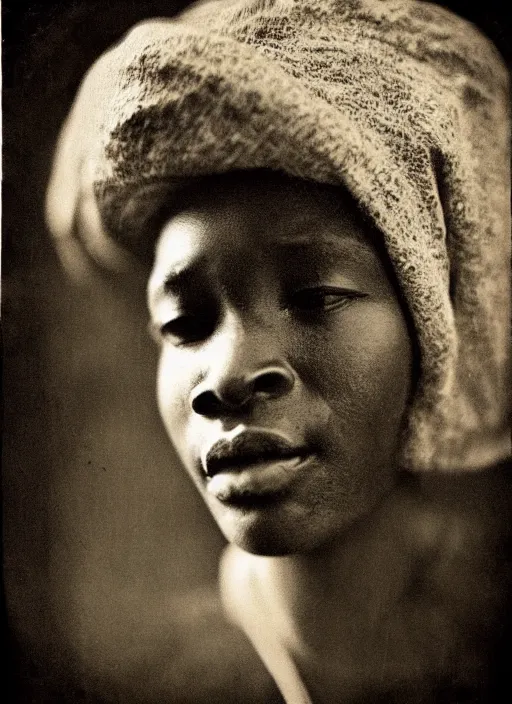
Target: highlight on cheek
x,y
153,330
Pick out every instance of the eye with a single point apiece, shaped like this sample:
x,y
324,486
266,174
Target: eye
x,y
183,330
321,298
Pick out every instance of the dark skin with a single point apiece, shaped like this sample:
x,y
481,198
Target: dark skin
x,y
410,604
270,300
274,309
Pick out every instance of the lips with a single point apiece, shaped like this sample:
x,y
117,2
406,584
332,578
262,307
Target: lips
x,y
248,448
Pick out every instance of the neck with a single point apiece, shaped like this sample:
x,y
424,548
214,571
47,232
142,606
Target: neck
x,y
394,595
346,584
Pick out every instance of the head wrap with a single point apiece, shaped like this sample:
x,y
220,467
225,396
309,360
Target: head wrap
x,y
399,101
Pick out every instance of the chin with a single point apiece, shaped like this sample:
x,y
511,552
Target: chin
x,y
273,531
279,526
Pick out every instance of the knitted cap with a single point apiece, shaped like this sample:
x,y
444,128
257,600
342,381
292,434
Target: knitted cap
x,y
399,101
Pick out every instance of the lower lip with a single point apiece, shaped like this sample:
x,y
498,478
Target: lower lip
x,y
260,479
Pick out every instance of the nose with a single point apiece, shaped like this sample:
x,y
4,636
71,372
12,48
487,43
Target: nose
x,y
242,373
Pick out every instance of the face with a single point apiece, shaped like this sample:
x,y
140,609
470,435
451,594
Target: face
x,y
285,358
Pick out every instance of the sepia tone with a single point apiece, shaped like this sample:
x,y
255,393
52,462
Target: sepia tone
x,y
110,556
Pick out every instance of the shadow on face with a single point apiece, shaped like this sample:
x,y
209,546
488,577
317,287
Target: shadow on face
x,y
286,362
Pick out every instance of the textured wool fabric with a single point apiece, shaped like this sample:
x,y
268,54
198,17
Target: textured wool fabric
x,y
399,101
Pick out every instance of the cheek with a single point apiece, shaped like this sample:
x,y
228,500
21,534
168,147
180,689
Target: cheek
x,y
362,367
173,385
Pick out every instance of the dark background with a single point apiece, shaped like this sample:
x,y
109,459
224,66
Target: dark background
x,y
110,559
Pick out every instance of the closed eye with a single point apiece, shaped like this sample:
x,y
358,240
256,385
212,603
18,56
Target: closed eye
x,y
183,330
321,298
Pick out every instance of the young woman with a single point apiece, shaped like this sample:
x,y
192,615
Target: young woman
x,y
322,189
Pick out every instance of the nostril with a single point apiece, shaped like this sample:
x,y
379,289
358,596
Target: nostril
x,y
216,402
272,383
228,397
206,404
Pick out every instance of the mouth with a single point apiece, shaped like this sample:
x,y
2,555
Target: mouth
x,y
252,463
247,448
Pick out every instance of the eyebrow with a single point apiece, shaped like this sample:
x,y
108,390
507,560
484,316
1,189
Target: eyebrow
x,y
176,281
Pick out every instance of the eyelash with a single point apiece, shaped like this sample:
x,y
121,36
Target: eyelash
x,y
185,329
314,299
188,329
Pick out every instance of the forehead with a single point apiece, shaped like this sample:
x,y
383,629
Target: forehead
x,y
261,214
262,200
263,196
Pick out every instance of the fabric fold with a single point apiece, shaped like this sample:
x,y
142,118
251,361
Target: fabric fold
x,y
399,101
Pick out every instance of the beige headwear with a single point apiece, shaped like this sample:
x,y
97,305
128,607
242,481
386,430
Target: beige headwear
x,y
400,101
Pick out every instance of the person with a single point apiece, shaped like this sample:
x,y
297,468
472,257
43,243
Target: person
x,y
321,190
